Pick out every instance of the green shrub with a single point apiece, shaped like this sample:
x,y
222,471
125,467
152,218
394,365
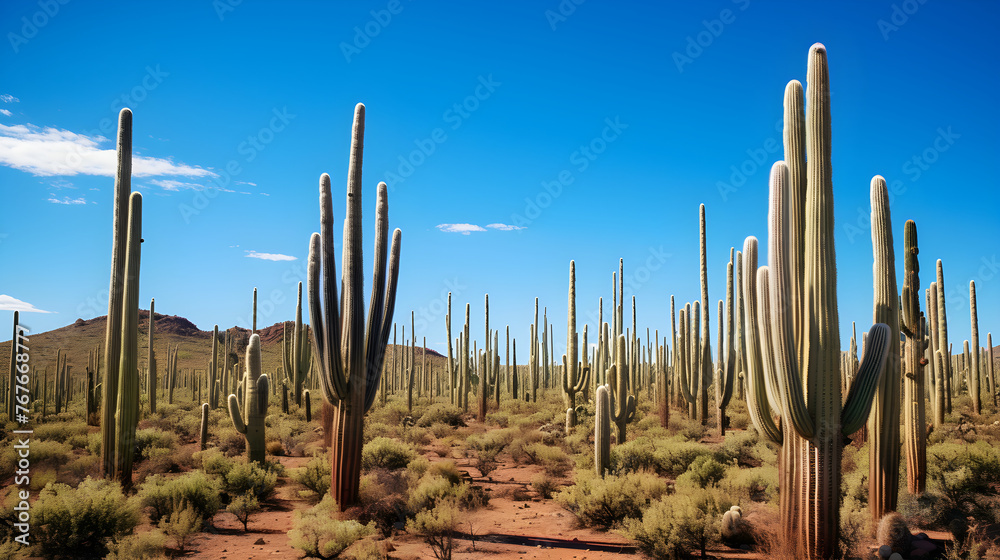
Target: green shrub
x,y
231,442
80,521
554,460
162,496
964,480
44,453
373,430
385,453
433,488
250,477
754,484
243,506
740,448
318,534
544,485
213,461
605,502
150,438
147,545
437,527
667,458
181,524
677,526
703,471
60,431
441,413
315,475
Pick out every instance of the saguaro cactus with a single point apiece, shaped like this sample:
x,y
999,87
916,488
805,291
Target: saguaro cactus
x,y
151,361
883,423
574,375
803,377
602,431
912,326
726,367
623,404
296,355
203,439
705,361
349,354
255,395
973,362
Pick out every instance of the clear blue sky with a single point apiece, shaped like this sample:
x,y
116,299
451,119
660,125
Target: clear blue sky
x,y
501,97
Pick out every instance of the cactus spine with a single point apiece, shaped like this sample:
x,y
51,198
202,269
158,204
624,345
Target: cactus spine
x,y
350,362
255,396
912,326
883,423
814,421
295,353
602,431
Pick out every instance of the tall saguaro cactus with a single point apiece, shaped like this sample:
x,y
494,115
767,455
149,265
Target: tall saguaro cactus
x,y
120,382
802,379
883,423
250,421
726,366
973,362
705,350
295,353
574,375
914,399
350,353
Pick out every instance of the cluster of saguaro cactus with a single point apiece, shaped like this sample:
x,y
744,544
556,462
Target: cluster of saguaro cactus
x,y
794,331
249,419
121,375
349,354
912,325
296,354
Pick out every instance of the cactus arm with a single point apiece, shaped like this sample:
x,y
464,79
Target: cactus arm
x,y
756,395
862,391
384,291
334,385
234,413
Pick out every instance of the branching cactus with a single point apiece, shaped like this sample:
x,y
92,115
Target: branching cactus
x,y
802,378
249,419
349,353
912,326
623,403
296,354
602,431
883,424
575,375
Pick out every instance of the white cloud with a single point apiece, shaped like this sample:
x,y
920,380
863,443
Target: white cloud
x,y
61,184
66,200
246,183
8,303
5,112
270,256
174,185
50,151
464,229
264,194
8,98
504,227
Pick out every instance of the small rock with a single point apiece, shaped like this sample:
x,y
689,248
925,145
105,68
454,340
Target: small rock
x,y
884,551
259,541
896,556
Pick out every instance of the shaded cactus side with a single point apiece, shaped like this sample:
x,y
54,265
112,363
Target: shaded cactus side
x,y
912,325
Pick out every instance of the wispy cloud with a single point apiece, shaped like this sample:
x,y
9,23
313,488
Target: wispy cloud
x,y
246,183
8,303
8,98
270,256
464,229
66,200
51,151
174,185
61,184
504,227
5,112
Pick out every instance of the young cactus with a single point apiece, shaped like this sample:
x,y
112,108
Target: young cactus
x,y
255,394
348,353
804,355
203,440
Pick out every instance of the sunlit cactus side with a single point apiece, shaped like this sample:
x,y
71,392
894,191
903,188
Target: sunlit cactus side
x,y
622,403
349,353
296,353
705,357
250,420
452,390
883,422
726,364
203,432
973,363
213,366
942,338
151,361
807,356
602,431
912,326
575,375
